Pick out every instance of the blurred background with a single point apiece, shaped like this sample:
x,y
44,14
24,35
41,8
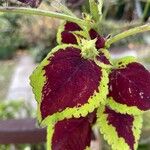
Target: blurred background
x,y
26,40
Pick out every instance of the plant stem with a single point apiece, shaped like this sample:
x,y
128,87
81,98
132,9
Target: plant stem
x,y
94,10
146,9
127,33
31,11
100,7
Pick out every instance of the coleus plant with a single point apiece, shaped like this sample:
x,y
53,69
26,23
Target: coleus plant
x,y
79,85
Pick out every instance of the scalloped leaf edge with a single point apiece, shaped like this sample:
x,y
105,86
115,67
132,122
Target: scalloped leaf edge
x,y
123,108
93,102
123,62
37,78
60,30
77,112
110,134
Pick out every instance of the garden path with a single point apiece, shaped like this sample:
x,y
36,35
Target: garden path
x,y
20,87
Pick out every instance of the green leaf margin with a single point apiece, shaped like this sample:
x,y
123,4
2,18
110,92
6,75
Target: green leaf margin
x,y
50,133
38,80
123,62
123,108
110,134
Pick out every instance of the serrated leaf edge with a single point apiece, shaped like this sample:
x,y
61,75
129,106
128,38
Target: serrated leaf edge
x,y
124,62
123,108
37,78
110,134
94,101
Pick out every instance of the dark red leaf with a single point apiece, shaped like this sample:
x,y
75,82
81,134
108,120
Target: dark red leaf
x,y
122,131
68,38
100,43
67,35
70,81
123,125
72,134
71,26
131,86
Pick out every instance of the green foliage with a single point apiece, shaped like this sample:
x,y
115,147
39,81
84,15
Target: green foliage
x,y
11,110
6,69
9,33
2,2
144,147
15,109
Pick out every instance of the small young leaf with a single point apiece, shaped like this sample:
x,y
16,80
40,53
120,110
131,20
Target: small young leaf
x,y
100,43
69,33
122,131
66,33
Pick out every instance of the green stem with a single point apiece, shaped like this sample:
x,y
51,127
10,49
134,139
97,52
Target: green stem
x,y
31,11
127,33
94,9
146,9
100,7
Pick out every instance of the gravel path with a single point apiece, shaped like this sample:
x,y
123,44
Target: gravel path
x,y
19,87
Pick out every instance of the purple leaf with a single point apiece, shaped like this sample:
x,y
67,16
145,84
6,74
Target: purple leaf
x,y
68,35
71,26
102,58
100,43
122,131
70,81
72,134
131,86
123,125
68,38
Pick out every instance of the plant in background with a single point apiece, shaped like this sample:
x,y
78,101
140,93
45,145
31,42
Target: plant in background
x,y
9,26
16,109
78,84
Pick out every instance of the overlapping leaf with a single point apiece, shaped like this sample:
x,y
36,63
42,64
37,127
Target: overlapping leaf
x,y
70,33
71,134
100,43
129,88
122,131
66,33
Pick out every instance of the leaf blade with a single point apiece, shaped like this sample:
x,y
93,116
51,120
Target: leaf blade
x,y
121,131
